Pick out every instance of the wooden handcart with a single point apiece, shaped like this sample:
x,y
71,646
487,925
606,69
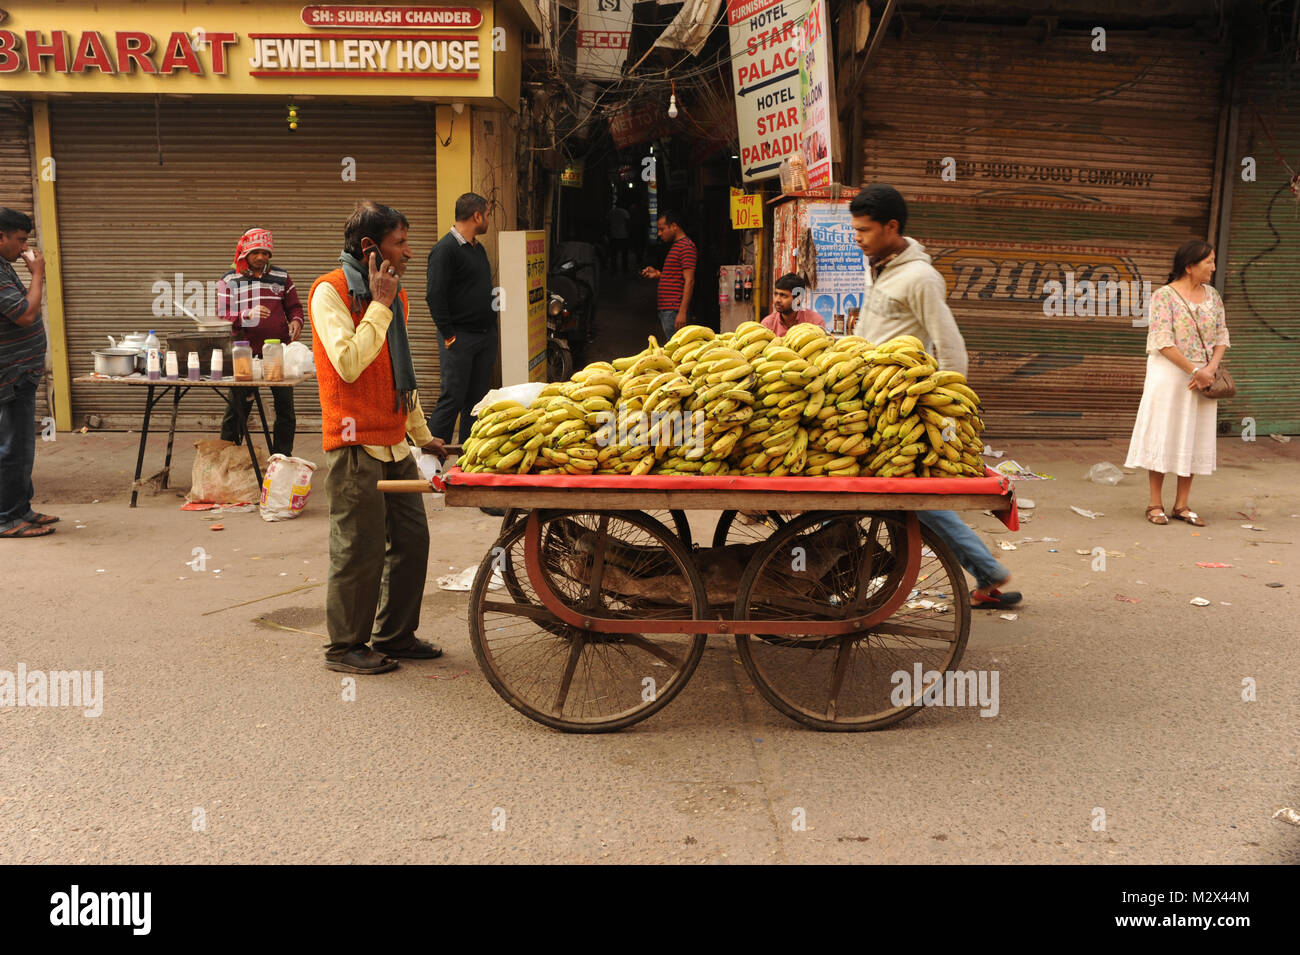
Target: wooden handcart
x,y
589,613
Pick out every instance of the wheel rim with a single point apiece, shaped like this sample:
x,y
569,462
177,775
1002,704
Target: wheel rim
x,y
742,527
587,681
848,682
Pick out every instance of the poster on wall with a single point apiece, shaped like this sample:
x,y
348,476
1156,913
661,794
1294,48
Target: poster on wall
x,y
604,29
841,268
815,96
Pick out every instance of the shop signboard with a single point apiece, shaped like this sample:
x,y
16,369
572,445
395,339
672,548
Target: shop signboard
x,y
765,39
237,49
523,306
815,96
604,31
746,210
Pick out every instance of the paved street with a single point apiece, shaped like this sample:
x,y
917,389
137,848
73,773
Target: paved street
x,y
224,739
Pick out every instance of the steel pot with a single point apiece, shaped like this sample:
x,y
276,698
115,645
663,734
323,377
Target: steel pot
x,y
117,362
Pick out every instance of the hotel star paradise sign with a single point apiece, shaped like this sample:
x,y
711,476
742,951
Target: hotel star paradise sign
x,y
765,41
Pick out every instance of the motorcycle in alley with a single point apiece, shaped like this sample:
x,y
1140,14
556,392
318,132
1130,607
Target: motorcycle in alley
x,y
570,315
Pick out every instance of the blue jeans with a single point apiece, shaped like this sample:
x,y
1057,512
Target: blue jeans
x,y
668,319
966,547
17,454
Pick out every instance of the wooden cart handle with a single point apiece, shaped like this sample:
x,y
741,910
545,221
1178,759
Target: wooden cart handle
x,y
405,487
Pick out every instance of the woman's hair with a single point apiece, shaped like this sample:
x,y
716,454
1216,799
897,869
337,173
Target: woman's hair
x,y
1189,253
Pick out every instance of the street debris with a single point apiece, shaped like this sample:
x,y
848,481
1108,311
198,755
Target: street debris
x,y
989,452
1008,616
1006,545
1199,602
1281,438
1253,527
217,527
1275,585
1128,600
1018,472
1288,814
1091,515
1024,503
1104,473
463,581
437,676
1082,553
935,605
1209,566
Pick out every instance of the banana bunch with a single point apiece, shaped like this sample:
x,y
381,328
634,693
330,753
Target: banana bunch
x,y
721,401
506,438
837,435
921,421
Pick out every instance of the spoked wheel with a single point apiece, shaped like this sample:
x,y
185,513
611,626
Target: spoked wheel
x,y
559,360
831,566
678,520
746,527
623,565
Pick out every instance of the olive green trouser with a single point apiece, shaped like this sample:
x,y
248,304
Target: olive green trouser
x,y
379,553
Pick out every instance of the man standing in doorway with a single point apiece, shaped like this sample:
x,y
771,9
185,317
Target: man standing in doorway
x,y
261,302
618,221
906,295
788,294
379,543
677,277
460,298
22,364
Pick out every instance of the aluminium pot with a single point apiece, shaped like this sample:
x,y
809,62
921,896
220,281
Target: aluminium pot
x,y
115,362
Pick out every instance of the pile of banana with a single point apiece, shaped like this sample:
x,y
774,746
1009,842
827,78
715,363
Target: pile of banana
x,y
743,402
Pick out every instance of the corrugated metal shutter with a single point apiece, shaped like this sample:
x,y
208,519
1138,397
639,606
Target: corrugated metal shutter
x,y
128,222
1065,160
1260,293
16,188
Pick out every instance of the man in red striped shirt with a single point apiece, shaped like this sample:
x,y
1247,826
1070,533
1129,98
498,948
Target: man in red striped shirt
x,y
677,277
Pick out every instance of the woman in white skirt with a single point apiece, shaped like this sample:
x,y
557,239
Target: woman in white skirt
x,y
1176,424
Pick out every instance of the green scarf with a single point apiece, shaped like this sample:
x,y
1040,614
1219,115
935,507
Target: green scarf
x,y
399,347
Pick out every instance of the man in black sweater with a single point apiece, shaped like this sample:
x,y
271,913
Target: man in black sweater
x,y
460,298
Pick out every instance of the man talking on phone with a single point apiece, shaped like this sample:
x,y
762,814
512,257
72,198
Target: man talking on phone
x,y
379,543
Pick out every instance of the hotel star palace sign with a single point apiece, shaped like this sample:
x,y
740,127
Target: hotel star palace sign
x,y
199,52
765,41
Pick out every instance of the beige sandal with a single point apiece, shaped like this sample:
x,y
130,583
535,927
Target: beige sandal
x,y
1160,518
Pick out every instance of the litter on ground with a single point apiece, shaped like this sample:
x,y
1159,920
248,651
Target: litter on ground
x,y
1091,515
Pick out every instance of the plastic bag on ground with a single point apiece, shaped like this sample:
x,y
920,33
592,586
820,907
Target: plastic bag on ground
x,y
223,474
285,488
1105,473
525,394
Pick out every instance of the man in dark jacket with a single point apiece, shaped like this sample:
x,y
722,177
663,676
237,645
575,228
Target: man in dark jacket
x,y
460,297
22,364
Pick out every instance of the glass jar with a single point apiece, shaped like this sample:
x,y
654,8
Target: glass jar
x,y
273,360
241,359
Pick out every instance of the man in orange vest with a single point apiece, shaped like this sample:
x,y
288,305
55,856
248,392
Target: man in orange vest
x,y
379,543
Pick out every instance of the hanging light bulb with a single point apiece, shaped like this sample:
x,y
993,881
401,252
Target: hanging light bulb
x,y
672,106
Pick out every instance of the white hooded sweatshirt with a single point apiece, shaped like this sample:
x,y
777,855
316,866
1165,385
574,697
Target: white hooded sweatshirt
x,y
909,297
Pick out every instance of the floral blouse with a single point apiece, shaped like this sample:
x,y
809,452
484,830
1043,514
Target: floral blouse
x,y
1171,324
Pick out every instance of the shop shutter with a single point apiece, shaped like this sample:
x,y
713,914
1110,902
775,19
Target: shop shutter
x,y
142,198
1260,294
1065,160
16,192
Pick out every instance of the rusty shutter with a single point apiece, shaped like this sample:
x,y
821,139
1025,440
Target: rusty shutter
x,y
1263,258
1025,158
16,171
144,197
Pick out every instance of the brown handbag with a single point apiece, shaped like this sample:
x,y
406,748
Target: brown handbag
x,y
1223,385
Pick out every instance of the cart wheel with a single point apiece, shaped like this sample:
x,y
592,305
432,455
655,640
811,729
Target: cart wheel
x,y
850,564
585,681
678,518
744,527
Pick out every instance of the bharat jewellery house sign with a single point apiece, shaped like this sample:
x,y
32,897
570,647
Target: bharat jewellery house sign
x,y
765,42
200,52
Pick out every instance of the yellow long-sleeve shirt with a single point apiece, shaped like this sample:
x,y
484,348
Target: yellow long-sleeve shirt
x,y
351,350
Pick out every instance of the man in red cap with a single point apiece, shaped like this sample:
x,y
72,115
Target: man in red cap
x,y
261,302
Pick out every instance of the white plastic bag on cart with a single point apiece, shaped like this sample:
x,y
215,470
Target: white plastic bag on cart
x,y
525,394
298,360
285,487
